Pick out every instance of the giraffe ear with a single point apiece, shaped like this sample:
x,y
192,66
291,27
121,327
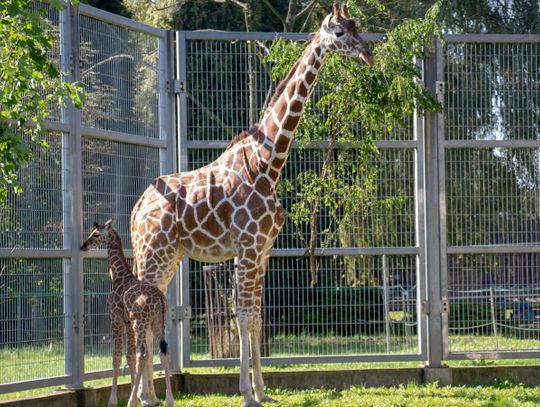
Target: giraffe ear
x,y
345,10
336,11
108,224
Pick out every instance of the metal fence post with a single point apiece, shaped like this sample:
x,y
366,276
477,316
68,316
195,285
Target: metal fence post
x,y
167,125
433,269
72,207
420,217
183,273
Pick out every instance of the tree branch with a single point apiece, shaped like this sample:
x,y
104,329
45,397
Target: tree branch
x,y
306,9
274,11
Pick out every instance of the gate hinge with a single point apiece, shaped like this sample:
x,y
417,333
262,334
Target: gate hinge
x,y
75,320
424,307
439,90
181,313
445,306
179,86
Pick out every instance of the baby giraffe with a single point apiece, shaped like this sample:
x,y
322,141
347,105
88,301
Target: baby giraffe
x,y
136,306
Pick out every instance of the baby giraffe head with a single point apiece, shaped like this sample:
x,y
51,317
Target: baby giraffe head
x,y
98,236
339,33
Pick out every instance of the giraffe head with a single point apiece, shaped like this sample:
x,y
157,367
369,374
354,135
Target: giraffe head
x,y
98,236
339,33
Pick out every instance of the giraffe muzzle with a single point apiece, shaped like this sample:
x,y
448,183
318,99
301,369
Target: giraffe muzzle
x,y
367,57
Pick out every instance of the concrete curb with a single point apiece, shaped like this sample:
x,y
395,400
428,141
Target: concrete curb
x,y
227,383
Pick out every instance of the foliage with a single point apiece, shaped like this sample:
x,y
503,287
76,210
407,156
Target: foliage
x,y
356,106
30,85
409,395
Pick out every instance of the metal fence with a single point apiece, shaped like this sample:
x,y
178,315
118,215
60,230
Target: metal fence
x,y
55,326
456,277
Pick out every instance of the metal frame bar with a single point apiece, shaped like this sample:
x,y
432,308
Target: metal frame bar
x,y
506,249
111,18
259,36
499,38
182,155
281,360
382,144
432,225
34,384
120,137
448,144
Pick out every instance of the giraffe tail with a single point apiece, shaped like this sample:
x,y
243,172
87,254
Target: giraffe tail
x,y
163,343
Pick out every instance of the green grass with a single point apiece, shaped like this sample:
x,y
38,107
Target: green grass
x,y
412,395
29,363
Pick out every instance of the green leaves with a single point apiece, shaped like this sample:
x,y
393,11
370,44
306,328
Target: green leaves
x,y
30,84
355,106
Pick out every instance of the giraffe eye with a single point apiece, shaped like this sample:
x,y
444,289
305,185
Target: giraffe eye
x,y
339,33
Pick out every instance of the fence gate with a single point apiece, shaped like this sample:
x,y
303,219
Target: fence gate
x,y
489,148
54,322
367,306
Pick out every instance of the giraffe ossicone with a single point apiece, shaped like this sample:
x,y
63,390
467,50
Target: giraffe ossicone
x,y
229,207
137,308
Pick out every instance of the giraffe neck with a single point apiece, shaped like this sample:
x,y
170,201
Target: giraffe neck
x,y
283,115
118,264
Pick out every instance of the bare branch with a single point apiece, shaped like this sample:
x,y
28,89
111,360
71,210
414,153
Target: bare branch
x,y
237,3
274,11
305,10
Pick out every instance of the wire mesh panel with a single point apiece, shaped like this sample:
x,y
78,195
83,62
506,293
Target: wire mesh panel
x,y
227,68
494,302
492,196
31,319
119,67
43,299
362,305
492,91
114,177
33,218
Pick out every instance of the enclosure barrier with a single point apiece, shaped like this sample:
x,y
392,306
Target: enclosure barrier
x,y
451,271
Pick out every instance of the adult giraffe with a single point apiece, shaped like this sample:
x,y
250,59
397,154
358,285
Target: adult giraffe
x,y
229,208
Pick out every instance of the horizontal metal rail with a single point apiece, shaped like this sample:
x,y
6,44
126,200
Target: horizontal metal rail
x,y
259,36
120,21
491,144
383,144
492,355
298,252
502,249
123,137
284,360
19,253
34,384
493,38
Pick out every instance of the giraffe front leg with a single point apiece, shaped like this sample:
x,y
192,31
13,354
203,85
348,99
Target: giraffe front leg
x,y
243,320
257,380
246,276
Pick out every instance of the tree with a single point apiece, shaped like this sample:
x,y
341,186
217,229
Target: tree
x,y
30,85
356,106
112,6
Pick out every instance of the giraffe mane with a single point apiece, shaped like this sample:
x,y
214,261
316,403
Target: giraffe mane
x,y
283,84
243,135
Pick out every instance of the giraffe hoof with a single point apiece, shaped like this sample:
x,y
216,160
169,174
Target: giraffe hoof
x,y
267,399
